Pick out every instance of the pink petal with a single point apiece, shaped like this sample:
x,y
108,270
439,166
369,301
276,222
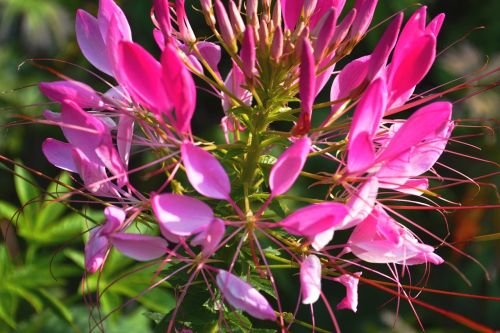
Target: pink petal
x,y
243,296
115,217
314,219
205,172
431,120
162,16
179,86
92,173
142,78
91,42
361,153
350,77
234,81
139,247
365,10
59,154
109,156
409,68
379,57
83,130
124,135
360,204
310,279
210,238
350,301
181,215
291,12
289,165
78,92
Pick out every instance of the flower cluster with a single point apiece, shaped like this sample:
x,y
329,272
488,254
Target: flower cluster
x,y
227,197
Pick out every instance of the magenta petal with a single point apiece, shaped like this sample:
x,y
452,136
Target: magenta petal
x,y
243,296
210,238
179,86
205,172
409,68
379,57
59,154
289,165
310,279
139,247
181,215
91,42
314,219
350,301
307,87
142,78
78,92
248,52
291,12
361,154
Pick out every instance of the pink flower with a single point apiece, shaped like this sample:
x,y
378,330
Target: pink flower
x,y
380,239
243,296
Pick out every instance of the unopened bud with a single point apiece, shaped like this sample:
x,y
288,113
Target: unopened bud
x,y
236,20
248,52
324,32
263,34
224,23
277,14
365,9
343,28
252,7
208,11
277,45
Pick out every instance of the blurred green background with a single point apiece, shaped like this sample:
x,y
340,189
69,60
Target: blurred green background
x,y
41,247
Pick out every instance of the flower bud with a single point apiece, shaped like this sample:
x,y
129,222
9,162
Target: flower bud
x,y
248,52
309,7
236,20
208,12
226,30
277,44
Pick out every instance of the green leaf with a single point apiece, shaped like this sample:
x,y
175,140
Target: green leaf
x,y
57,306
27,192
51,209
7,210
25,294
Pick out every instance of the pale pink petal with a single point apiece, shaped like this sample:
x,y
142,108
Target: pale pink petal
x,y
350,301
361,154
211,52
181,215
91,42
92,173
96,249
310,279
234,81
59,154
205,172
210,238
78,92
107,10
360,204
289,165
314,219
139,247
115,217
124,134
243,296
109,156
380,239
